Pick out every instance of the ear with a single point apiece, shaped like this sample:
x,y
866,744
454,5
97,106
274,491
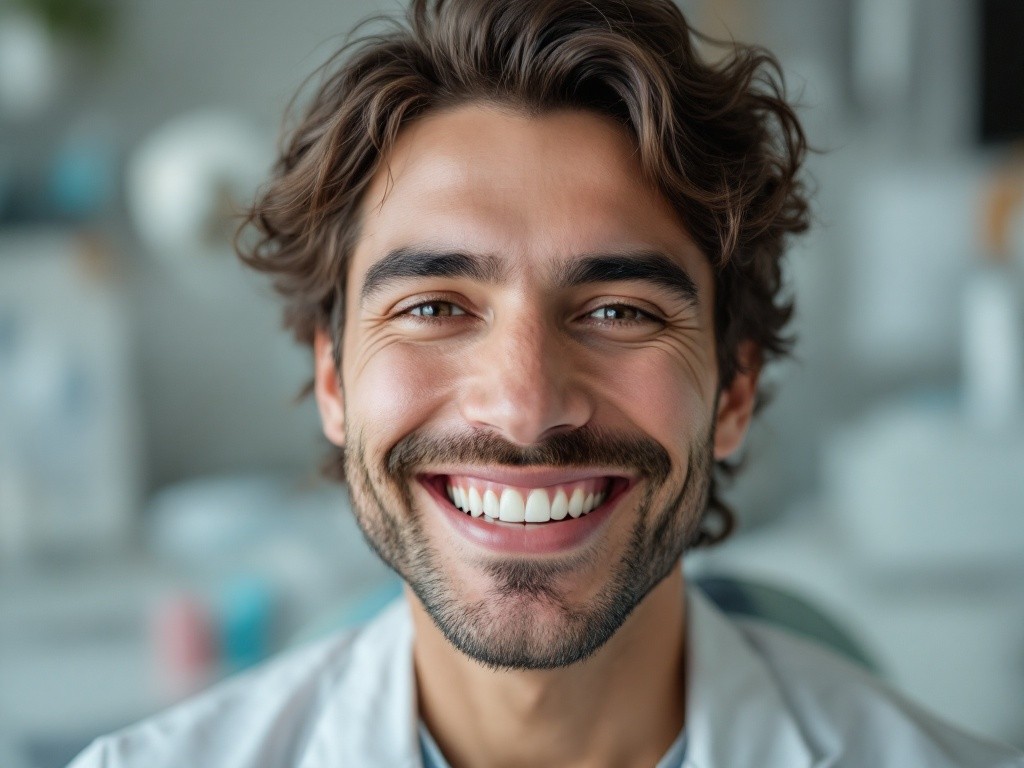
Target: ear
x,y
736,402
327,388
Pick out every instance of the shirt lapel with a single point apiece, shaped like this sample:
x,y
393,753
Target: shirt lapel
x,y
370,719
735,714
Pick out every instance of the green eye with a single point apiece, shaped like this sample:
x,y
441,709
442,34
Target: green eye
x,y
436,309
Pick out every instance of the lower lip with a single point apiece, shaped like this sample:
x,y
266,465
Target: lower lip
x,y
527,538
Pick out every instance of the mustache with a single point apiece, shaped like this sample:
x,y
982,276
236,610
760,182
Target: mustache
x,y
583,447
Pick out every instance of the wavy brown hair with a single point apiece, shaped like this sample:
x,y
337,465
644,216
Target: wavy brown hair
x,y
717,138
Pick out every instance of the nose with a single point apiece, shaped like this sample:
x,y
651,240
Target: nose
x,y
522,384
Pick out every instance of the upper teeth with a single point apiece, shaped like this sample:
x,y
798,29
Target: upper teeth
x,y
537,505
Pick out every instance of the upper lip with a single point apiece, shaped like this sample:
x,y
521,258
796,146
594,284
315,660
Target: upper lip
x,y
527,477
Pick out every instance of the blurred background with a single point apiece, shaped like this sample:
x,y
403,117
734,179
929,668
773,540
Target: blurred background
x,y
161,520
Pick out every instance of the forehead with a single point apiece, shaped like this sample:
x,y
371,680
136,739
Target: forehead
x,y
527,189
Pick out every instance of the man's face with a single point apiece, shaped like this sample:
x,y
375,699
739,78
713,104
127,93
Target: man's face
x,y
528,392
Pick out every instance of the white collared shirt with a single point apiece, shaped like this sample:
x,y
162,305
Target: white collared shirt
x,y
757,697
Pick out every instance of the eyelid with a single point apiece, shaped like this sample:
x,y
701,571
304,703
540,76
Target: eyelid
x,y
652,312
419,299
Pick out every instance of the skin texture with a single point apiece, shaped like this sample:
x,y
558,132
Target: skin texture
x,y
520,368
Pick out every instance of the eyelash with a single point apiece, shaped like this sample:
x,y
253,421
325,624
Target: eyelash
x,y
642,316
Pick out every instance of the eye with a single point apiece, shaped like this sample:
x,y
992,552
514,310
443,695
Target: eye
x,y
620,313
435,309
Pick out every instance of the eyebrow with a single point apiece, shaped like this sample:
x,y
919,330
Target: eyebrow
x,y
411,262
647,266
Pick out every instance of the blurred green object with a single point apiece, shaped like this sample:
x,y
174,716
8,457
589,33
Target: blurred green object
x,y
87,21
783,608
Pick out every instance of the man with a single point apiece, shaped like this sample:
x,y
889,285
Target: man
x,y
535,248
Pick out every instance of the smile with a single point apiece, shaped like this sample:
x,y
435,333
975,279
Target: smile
x,y
526,511
496,501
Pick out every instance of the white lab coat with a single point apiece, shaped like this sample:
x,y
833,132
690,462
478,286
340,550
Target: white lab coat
x,y
757,697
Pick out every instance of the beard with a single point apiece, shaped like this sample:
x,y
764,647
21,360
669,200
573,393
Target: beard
x,y
525,621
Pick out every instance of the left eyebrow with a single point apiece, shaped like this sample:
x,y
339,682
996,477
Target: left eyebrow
x,y
647,266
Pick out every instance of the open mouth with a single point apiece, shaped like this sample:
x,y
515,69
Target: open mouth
x,y
492,501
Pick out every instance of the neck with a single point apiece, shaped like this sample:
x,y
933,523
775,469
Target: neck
x,y
622,706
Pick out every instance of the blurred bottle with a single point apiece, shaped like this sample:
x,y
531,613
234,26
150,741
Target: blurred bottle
x,y
993,333
184,646
246,623
82,180
30,65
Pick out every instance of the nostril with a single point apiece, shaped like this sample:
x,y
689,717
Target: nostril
x,y
521,385
527,417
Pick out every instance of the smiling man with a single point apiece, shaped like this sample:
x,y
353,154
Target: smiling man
x,y
528,393
535,248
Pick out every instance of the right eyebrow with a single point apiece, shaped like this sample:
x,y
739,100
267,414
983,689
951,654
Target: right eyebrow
x,y
410,262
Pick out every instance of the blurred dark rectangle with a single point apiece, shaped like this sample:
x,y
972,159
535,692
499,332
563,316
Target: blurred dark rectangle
x,y
1002,70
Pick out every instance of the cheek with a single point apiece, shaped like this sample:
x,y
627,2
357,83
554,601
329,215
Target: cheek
x,y
660,395
396,391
